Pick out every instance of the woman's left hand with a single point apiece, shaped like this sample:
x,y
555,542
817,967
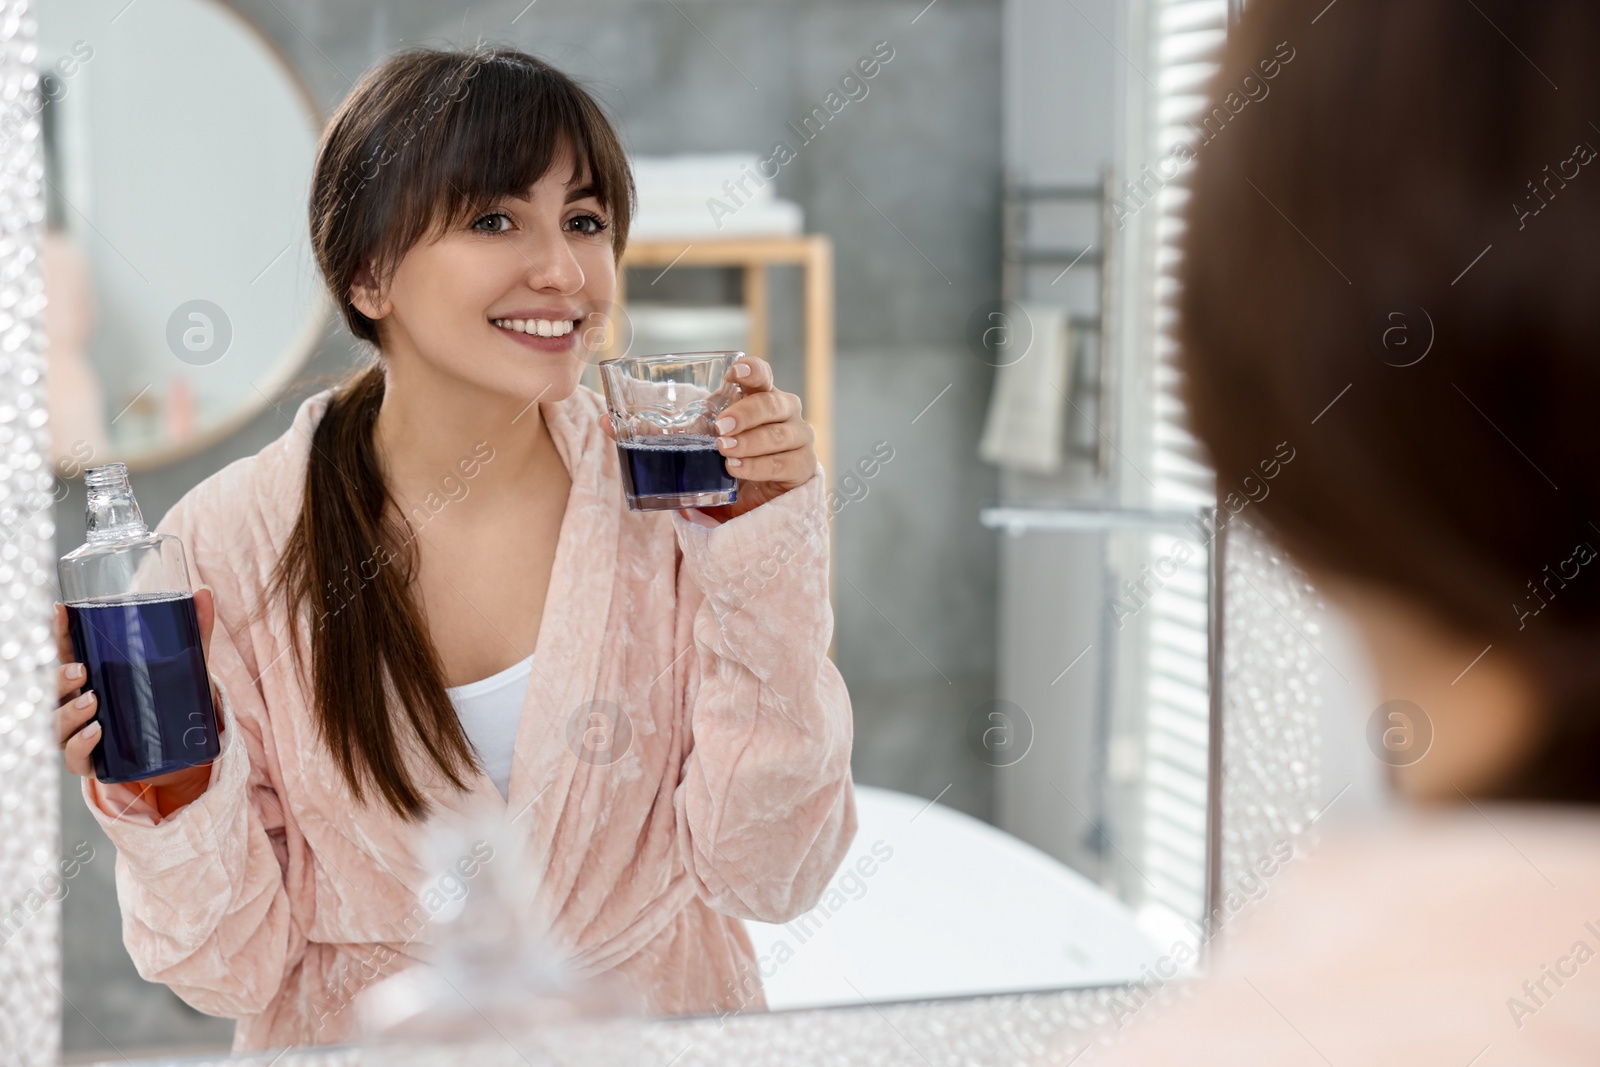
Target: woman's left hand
x,y
766,444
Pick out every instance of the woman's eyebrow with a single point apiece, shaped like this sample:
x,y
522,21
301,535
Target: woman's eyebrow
x,y
582,193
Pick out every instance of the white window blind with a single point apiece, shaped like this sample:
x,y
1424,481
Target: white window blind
x,y
1184,41
1187,43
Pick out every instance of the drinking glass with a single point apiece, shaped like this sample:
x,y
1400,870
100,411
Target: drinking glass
x,y
664,409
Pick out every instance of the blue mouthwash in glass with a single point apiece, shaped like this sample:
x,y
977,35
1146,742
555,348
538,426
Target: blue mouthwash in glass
x,y
131,616
673,465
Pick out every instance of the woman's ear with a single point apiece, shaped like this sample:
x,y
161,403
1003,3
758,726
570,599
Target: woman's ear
x,y
366,297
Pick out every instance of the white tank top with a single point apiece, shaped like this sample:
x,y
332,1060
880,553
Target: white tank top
x,y
490,710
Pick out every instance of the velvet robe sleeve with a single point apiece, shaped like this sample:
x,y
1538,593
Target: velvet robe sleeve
x,y
765,806
205,909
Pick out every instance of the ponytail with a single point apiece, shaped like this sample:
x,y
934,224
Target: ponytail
x,y
352,565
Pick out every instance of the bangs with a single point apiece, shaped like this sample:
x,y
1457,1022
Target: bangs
x,y
490,129
508,131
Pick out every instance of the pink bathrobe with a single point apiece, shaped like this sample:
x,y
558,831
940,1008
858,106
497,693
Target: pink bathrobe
x,y
733,800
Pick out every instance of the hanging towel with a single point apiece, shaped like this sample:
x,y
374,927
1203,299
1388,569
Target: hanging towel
x,y
1026,424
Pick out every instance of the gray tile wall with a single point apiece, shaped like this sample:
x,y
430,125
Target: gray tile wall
x,y
907,183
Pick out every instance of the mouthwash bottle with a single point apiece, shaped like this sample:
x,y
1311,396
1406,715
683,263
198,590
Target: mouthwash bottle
x,y
131,616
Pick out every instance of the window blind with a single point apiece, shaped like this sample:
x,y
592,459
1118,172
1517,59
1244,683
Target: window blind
x,y
1184,38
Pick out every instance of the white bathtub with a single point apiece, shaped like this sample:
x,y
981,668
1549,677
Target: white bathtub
x,y
931,902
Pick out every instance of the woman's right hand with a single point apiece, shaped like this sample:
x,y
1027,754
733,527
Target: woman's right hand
x,y
77,733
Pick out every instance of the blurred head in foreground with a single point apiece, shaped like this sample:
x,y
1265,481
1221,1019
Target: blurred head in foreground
x,y
1392,262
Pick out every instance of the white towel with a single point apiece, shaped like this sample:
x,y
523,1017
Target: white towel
x,y
1026,424
705,194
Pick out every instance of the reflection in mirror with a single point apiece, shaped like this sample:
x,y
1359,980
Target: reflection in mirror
x,y
1018,792
177,143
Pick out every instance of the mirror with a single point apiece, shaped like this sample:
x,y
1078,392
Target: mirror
x,y
1027,592
177,145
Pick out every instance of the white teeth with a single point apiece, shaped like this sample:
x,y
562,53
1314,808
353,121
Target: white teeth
x,y
537,327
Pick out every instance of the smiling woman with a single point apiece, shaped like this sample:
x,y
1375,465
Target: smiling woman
x,y
467,212
468,236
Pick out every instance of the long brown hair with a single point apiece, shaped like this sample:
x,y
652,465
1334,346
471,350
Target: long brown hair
x,y
1390,262
428,139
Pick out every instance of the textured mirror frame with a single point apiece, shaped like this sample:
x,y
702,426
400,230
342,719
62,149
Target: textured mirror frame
x,y
30,910
1269,740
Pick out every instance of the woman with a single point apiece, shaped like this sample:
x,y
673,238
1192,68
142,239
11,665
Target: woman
x,y
1391,262
451,518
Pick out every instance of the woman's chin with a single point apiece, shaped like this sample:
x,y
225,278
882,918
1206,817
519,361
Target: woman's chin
x,y
546,382
547,385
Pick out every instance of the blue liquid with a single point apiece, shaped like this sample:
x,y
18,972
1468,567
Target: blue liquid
x,y
145,664
667,466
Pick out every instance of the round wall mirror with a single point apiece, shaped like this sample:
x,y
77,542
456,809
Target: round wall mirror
x,y
181,292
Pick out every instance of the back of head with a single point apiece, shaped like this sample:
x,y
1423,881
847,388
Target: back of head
x,y
1405,228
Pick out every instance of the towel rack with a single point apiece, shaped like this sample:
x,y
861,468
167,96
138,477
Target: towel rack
x,y
1019,253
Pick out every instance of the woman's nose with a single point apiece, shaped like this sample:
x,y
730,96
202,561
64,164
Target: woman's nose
x,y
552,266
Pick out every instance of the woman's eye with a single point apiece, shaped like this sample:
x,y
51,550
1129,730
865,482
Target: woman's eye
x,y
492,215
587,224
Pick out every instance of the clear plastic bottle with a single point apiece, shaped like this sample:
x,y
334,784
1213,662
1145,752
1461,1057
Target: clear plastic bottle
x,y
131,616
